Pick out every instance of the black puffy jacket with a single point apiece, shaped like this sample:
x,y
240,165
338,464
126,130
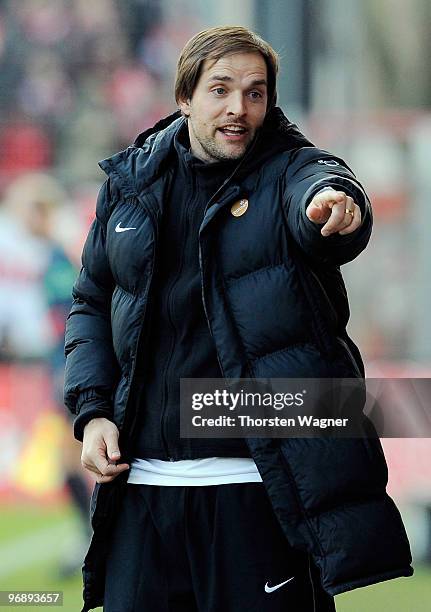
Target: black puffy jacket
x,y
276,306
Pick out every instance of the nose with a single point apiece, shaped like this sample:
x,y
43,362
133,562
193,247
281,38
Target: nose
x,y
236,105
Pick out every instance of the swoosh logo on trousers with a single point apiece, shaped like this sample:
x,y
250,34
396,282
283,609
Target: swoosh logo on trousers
x,y
270,589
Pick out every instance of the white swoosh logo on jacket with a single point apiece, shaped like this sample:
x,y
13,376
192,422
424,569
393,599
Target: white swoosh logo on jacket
x,y
118,228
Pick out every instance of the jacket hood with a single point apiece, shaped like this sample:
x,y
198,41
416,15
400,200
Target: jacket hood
x,y
136,167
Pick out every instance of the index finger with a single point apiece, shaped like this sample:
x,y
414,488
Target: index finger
x,y
103,478
114,470
329,196
104,465
336,219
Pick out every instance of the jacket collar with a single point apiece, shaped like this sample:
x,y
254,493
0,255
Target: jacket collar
x,y
138,166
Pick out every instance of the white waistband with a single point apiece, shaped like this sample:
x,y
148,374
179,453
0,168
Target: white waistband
x,y
193,472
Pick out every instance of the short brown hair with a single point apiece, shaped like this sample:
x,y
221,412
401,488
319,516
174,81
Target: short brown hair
x,y
214,43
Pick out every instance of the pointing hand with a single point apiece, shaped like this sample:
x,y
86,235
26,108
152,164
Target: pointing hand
x,y
336,210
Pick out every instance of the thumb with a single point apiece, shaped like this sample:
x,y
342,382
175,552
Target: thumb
x,y
112,449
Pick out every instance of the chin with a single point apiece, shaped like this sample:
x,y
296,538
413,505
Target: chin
x,y
238,154
233,153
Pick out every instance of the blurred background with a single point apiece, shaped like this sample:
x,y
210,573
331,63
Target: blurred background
x,y
78,81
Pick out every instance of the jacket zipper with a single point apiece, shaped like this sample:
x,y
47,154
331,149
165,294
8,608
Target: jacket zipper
x,y
226,199
163,418
206,312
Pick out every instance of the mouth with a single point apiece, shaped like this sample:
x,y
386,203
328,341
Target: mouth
x,y
233,132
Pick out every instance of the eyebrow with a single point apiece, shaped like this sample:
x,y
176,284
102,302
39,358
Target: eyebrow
x,y
225,78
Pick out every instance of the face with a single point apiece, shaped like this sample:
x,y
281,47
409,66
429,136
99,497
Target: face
x,y
227,107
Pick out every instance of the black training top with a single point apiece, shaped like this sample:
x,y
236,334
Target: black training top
x,y
179,343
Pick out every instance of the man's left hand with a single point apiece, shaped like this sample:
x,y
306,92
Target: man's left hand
x,y
338,211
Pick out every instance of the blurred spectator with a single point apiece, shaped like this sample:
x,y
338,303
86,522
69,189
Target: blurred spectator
x,y
24,325
35,200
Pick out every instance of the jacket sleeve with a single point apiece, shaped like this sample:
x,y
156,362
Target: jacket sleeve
x,y
92,371
309,171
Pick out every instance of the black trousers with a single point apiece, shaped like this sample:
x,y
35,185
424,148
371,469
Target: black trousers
x,y
206,549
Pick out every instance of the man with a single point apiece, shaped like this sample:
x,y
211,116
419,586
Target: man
x,y
215,253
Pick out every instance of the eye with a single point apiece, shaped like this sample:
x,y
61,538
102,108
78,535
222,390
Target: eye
x,y
255,95
219,91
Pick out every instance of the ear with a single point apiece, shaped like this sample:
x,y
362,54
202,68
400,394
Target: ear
x,y
185,107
